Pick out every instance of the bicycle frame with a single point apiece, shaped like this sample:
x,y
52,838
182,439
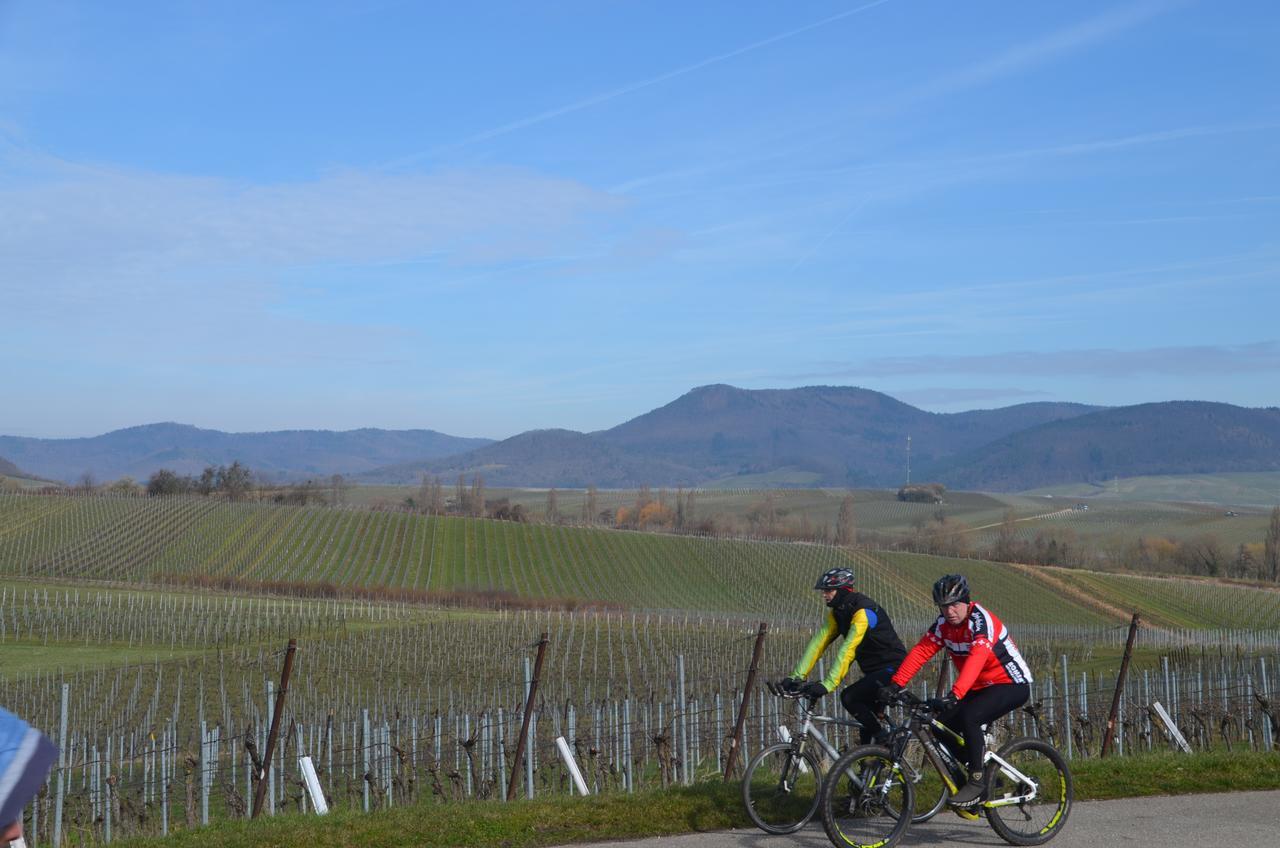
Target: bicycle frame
x,y
925,733
809,730
917,729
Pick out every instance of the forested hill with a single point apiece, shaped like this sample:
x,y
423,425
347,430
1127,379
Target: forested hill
x,y
833,436
546,458
139,451
1179,437
8,469
847,435
830,435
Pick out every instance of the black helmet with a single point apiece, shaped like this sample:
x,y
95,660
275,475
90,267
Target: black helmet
x,y
950,588
836,578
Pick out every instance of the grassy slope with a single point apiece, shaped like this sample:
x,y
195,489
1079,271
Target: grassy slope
x,y
1242,488
18,659
706,806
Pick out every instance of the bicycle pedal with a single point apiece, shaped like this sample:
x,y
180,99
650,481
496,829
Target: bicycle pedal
x,y
967,815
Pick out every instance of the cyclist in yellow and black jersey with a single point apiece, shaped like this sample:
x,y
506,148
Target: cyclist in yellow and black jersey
x,y
869,639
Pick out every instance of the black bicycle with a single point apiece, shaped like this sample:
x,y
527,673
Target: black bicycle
x,y
1028,786
782,783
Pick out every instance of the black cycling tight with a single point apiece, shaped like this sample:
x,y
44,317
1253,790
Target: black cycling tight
x,y
980,707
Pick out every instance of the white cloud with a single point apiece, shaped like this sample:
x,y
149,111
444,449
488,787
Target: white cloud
x,y
59,220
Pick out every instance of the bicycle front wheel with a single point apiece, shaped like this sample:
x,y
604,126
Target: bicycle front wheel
x,y
1028,801
780,788
866,799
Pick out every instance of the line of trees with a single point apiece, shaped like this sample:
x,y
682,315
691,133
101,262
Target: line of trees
x,y
234,482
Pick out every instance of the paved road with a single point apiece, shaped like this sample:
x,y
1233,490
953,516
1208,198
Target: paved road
x,y
1231,820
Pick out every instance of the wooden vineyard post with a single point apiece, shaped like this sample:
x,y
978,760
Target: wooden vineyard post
x,y
1115,699
746,701
525,721
943,667
260,793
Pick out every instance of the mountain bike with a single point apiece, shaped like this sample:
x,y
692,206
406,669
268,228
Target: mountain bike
x,y
1028,786
782,783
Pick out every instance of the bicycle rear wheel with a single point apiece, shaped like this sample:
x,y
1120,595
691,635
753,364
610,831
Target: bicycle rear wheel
x,y
866,800
1030,811
780,788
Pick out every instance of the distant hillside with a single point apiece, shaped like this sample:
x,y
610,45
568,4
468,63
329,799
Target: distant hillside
x,y
288,454
1178,437
848,436
824,435
544,458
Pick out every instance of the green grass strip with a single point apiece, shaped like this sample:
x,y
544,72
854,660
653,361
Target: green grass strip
x,y
702,807
1175,774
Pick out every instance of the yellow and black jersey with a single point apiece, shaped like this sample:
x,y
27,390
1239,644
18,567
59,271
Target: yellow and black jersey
x,y
868,635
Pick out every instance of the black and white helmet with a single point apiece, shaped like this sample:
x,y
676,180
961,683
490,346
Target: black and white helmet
x,y
836,578
950,589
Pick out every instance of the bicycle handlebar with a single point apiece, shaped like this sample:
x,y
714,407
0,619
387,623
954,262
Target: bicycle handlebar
x,y
913,702
775,689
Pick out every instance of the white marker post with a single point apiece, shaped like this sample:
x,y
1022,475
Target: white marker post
x,y
312,780
1173,728
567,756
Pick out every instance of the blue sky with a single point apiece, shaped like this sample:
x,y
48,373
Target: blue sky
x,y
483,218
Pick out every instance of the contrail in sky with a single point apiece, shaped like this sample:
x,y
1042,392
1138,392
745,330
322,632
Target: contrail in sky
x,y
632,87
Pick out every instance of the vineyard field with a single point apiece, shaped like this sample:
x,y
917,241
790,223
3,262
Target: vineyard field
x,y
1110,522
649,641
169,541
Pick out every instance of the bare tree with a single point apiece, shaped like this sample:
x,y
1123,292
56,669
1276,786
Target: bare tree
x,y
592,505
553,507
423,500
337,489
1201,555
208,480
236,482
125,487
1005,547
846,528
435,498
86,485
1271,547
165,482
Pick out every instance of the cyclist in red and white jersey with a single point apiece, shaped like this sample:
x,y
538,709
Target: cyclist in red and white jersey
x,y
992,677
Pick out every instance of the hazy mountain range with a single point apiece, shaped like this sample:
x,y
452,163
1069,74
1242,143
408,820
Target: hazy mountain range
x,y
819,435
284,454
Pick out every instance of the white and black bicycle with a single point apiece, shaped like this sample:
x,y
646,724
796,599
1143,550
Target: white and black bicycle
x,y
782,784
1028,786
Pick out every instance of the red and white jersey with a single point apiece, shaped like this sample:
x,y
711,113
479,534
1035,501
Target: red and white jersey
x,y
980,646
